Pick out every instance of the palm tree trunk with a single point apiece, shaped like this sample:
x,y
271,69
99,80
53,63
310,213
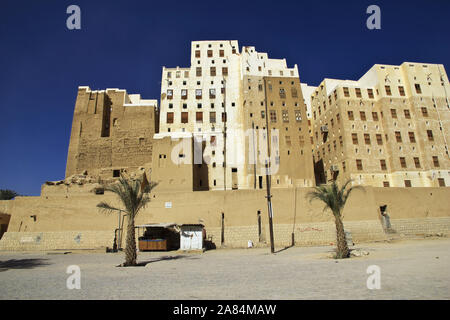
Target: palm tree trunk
x,y
342,248
130,247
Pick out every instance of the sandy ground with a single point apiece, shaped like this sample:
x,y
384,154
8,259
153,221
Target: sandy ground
x,y
414,269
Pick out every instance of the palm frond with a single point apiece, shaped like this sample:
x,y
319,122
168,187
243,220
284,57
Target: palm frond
x,y
6,194
133,193
333,196
149,187
107,208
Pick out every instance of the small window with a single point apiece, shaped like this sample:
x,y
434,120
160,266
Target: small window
x,y
346,92
350,115
294,92
407,114
355,138
184,94
430,135
285,116
212,117
383,164
169,117
417,162
370,93
394,113
184,117
403,162
436,161
424,112
273,116
401,91
116,173
388,90
412,137
359,165
375,116
379,139
418,89
287,140
408,183
398,136
199,117
358,92
302,141
362,115
367,138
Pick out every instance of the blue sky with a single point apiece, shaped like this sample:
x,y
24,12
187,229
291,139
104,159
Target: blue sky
x,y
124,44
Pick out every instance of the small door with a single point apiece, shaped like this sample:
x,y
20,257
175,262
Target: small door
x,y
191,239
234,179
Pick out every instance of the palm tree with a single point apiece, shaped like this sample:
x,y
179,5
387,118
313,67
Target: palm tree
x,y
134,195
6,194
335,199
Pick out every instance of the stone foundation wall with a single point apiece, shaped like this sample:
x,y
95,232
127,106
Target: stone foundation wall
x,y
61,240
421,227
305,234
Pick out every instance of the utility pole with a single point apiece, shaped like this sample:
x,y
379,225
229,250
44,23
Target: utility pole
x,y
119,236
224,134
254,155
268,176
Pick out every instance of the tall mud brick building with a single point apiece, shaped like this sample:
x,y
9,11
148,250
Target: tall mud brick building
x,y
112,131
226,100
390,128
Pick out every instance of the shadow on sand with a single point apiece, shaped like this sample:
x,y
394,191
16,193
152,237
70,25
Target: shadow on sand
x,y
22,264
163,258
285,248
